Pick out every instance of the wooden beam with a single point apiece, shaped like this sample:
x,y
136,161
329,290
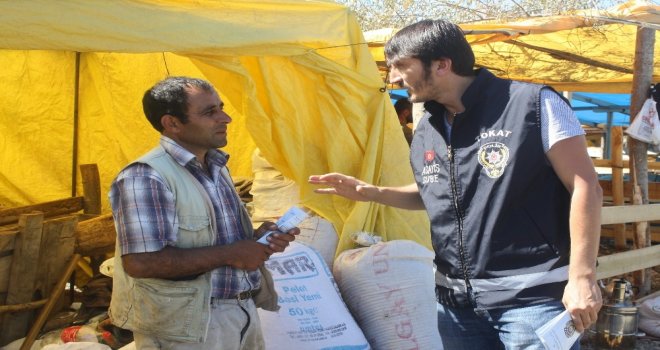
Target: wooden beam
x,y
7,241
609,190
606,163
50,304
96,236
57,244
632,260
608,231
616,147
91,188
637,150
22,307
50,209
630,213
23,276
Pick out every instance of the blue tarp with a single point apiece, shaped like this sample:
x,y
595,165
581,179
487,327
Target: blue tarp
x,y
594,117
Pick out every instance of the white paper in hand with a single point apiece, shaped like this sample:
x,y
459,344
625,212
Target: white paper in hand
x,y
559,333
292,218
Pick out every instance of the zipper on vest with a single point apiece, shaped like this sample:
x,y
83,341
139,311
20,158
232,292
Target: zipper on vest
x,y
459,218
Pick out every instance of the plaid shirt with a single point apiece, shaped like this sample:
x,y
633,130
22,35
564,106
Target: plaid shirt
x,y
146,220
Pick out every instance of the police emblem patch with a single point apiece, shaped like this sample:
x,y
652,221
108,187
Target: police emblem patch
x,y
493,156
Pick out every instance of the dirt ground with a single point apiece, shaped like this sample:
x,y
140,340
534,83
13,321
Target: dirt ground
x,y
642,342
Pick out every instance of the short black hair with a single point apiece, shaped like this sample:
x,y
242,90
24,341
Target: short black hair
x,y
430,40
169,96
402,104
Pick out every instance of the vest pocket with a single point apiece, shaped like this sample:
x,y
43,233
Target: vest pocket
x,y
194,231
165,309
193,222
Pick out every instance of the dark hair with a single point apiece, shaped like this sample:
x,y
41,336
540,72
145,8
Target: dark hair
x,y
430,40
169,96
402,104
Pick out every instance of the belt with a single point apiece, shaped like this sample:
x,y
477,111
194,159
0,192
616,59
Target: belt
x,y
240,296
243,295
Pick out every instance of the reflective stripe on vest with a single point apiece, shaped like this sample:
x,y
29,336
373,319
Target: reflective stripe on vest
x,y
517,282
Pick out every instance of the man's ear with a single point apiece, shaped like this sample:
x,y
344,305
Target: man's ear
x,y
170,122
442,65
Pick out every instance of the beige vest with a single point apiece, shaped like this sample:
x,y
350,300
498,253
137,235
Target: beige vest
x,y
177,310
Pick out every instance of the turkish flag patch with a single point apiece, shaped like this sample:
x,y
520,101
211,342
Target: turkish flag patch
x,y
429,155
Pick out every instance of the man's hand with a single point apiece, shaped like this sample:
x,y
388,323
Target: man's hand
x,y
404,197
277,241
345,186
248,254
582,299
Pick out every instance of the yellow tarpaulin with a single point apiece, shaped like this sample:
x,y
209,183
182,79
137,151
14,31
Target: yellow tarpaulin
x,y
584,51
297,78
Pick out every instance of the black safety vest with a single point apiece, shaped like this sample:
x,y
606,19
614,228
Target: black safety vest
x,y
499,214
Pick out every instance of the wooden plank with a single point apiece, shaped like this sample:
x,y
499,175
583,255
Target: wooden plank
x,y
91,188
7,241
607,231
607,163
22,277
57,244
52,300
50,209
632,260
630,213
22,307
653,187
96,236
616,139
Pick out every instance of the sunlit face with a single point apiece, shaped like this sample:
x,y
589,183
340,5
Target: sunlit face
x,y
207,122
411,74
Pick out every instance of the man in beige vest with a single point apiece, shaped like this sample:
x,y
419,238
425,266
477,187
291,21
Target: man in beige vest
x,y
188,271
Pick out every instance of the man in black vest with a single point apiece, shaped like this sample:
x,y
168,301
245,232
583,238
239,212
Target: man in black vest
x,y
502,169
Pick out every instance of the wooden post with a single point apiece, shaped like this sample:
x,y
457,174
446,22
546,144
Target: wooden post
x,y
23,276
45,312
76,122
7,243
57,244
616,138
642,79
91,188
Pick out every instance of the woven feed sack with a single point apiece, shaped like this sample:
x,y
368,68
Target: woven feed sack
x,y
649,316
272,193
389,288
319,234
312,314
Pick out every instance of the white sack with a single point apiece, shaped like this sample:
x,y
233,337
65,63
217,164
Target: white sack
x,y
649,317
312,315
319,234
390,289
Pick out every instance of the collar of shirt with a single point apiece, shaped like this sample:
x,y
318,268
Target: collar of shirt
x,y
184,157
